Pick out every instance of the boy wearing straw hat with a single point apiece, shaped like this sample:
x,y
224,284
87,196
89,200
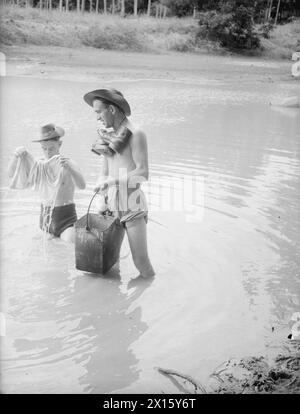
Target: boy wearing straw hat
x,y
54,178
124,168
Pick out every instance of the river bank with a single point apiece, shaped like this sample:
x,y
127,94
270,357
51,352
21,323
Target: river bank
x,y
90,64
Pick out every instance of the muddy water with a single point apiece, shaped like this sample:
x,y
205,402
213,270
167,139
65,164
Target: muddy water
x,y
226,255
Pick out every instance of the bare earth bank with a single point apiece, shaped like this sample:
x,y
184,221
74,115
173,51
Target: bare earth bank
x,y
89,64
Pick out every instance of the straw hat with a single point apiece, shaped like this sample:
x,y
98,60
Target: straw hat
x,y
111,95
50,131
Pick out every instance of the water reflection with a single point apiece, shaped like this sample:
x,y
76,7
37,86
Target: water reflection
x,y
62,321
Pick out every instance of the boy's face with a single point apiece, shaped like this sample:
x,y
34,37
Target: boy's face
x,y
51,148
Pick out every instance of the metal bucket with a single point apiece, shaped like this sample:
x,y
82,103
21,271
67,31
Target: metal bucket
x,y
98,240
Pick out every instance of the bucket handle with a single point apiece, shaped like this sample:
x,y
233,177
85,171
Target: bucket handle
x,y
87,227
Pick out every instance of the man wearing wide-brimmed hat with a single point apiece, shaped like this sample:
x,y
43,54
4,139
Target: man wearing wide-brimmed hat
x,y
125,166
54,177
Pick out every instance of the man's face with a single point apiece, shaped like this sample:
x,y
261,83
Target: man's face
x,y
50,148
104,113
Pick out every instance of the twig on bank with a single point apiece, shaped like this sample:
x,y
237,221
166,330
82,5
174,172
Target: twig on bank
x,y
171,373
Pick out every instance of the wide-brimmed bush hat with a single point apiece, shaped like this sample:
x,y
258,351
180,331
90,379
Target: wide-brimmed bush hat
x,y
50,131
111,95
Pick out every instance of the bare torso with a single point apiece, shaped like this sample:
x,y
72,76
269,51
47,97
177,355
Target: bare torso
x,y
118,162
65,193
121,161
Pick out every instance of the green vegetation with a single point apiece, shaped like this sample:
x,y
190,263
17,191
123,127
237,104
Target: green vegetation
x,y
53,28
233,27
282,41
145,34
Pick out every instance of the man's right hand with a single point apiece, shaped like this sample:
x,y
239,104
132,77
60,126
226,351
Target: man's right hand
x,y
20,151
101,188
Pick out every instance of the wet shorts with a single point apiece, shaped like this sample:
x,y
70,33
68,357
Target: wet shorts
x,y
62,217
127,206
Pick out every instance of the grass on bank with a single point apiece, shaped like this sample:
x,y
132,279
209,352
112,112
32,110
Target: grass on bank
x,y
283,42
141,34
53,28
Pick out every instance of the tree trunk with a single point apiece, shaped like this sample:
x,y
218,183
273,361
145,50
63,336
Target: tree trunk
x,y
97,6
113,6
50,4
78,6
156,11
165,11
122,8
267,11
105,6
67,5
60,5
41,4
149,8
82,5
270,10
91,6
135,7
277,11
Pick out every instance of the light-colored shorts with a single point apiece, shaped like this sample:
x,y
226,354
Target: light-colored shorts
x,y
128,205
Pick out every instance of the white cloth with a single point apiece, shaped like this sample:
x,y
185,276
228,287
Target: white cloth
x,y
43,176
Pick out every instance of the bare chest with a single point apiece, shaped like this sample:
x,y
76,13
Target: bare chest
x,y
121,161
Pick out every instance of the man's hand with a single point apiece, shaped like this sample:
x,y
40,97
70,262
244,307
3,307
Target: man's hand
x,y
101,188
20,151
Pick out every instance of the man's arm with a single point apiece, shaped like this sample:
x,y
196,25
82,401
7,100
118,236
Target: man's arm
x,y
73,169
103,176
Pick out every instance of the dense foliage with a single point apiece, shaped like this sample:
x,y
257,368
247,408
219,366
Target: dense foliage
x,y
231,24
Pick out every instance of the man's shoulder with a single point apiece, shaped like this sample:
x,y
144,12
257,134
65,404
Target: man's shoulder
x,y
138,134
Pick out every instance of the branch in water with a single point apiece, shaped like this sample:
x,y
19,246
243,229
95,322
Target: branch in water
x,y
187,378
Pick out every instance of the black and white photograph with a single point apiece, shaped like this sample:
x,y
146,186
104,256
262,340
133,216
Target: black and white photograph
x,y
150,199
